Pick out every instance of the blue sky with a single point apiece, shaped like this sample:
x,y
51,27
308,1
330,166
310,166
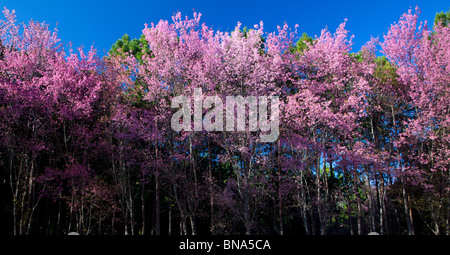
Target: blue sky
x,y
101,23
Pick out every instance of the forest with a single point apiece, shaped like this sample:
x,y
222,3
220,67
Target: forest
x,y
86,143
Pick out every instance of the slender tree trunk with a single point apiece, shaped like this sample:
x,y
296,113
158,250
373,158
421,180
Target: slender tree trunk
x,y
434,216
410,214
157,204
130,203
183,224
193,224
349,214
280,215
192,202
280,197
371,201
157,197
33,208
306,221
211,186
349,204
23,200
14,192
383,217
170,218
143,207
247,218
324,218
359,219
407,209
318,197
358,201
380,208
447,217
30,203
58,221
70,215
301,197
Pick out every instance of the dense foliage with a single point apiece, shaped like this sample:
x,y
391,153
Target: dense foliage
x,y
86,143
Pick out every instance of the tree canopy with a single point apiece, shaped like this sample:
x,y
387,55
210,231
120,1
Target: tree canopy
x,y
87,144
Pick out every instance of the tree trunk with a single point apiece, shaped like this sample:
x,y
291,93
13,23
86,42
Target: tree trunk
x,y
192,202
280,197
447,216
359,219
157,204
349,214
318,197
324,218
358,201
193,225
183,224
170,218
157,197
383,217
211,186
143,207
130,200
305,221
247,219
301,198
349,205
408,214
14,193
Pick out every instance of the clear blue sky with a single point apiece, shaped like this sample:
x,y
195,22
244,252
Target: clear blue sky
x,y
87,22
